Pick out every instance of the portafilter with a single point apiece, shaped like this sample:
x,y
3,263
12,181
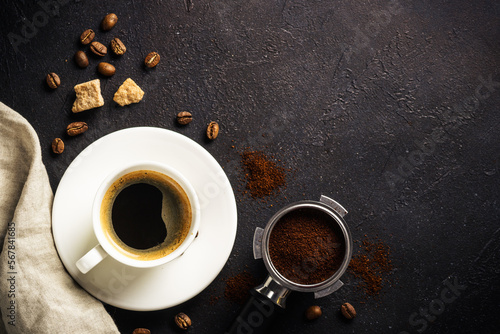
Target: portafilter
x,y
268,299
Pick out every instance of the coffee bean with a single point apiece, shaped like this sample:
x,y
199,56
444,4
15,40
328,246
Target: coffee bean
x,y
53,80
182,321
118,47
313,312
106,69
98,49
109,21
212,130
141,331
87,36
76,128
152,59
57,146
184,117
348,311
81,59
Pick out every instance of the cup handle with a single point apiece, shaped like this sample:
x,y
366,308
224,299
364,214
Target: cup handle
x,y
91,259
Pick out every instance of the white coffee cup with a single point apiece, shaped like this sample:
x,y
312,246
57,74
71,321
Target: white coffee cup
x,y
107,246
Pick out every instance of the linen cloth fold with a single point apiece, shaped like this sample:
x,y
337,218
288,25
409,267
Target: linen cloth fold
x,y
37,295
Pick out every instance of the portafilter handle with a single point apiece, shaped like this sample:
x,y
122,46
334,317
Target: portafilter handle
x,y
256,316
266,301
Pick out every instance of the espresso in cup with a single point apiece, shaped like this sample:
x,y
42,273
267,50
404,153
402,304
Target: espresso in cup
x,y
145,215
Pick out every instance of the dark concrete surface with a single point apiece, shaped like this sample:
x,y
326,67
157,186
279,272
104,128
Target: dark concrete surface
x,y
388,106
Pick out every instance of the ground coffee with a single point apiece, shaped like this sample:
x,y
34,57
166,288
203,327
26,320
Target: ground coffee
x,y
371,265
306,246
263,176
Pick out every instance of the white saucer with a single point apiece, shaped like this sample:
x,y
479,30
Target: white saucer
x,y
174,282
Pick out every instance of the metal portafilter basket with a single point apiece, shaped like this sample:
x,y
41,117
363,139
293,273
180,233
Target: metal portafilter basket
x,y
269,298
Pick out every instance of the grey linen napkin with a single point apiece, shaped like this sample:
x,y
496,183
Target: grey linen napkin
x,y
36,293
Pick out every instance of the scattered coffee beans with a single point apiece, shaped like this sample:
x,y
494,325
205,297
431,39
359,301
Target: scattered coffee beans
x,y
109,21
184,117
98,49
313,312
81,59
106,69
152,59
57,146
212,130
76,128
182,321
141,331
118,47
87,36
348,311
53,80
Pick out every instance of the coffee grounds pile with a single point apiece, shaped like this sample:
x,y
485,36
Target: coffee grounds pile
x,y
238,287
371,266
305,247
263,176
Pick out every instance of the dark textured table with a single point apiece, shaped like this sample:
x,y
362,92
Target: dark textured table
x,y
390,107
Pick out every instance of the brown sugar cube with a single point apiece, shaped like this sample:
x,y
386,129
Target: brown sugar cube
x,y
129,92
88,96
